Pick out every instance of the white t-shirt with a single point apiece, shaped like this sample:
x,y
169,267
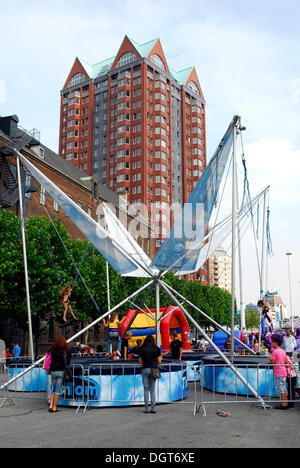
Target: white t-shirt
x,y
289,343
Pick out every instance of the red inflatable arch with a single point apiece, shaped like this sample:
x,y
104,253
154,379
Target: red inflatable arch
x,y
143,325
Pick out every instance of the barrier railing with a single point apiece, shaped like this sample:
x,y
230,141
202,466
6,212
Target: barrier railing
x,y
119,384
219,385
34,381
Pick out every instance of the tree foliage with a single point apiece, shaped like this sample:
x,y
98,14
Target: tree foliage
x,y
50,268
252,316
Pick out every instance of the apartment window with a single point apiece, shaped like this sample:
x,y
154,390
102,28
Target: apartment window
x,y
41,152
194,87
76,79
126,58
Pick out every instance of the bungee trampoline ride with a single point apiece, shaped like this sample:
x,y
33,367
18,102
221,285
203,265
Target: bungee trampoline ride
x,y
188,246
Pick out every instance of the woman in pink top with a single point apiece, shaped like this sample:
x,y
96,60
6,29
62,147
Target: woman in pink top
x,y
280,361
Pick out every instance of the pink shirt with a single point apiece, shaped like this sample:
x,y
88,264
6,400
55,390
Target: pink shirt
x,y
279,357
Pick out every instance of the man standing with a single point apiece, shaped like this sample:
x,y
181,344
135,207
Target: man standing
x,y
280,361
289,343
175,347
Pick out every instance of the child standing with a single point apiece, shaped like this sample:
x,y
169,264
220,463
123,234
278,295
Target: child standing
x,y
256,346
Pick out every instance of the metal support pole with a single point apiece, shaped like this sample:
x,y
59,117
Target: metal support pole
x,y
290,288
157,309
232,367
108,286
263,258
242,308
25,260
233,241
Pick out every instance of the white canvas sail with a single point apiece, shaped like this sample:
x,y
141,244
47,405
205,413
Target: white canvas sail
x,y
120,234
181,249
115,255
218,235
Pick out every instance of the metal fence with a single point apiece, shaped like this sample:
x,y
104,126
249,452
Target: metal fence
x,y
104,384
35,381
114,384
220,385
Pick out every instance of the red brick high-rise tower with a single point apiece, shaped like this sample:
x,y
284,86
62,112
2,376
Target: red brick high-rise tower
x,y
138,126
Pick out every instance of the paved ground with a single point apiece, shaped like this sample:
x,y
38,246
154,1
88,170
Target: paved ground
x,y
28,424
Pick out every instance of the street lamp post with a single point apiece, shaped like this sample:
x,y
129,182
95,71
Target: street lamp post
x,y
288,254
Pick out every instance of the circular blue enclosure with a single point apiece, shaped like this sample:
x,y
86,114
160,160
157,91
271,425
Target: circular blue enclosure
x,y
218,377
194,362
102,382
119,383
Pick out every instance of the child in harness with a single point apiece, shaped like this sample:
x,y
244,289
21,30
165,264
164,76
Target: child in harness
x,y
113,326
66,293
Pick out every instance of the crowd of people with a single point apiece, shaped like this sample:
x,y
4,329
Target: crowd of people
x,y
147,352
281,355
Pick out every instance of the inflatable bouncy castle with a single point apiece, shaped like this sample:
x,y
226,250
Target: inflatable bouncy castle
x,y
221,337
143,325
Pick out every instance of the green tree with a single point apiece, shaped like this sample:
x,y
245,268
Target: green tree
x,y
252,316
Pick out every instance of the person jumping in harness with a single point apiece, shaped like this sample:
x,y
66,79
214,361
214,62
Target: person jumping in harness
x,y
66,292
113,326
267,316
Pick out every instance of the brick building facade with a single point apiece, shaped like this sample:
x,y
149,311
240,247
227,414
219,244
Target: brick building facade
x,y
139,126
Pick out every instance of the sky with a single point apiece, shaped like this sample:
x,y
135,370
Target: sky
x,y
247,58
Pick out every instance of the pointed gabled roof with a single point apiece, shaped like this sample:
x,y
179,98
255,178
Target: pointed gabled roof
x,y
94,70
78,67
88,68
144,49
103,66
182,76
